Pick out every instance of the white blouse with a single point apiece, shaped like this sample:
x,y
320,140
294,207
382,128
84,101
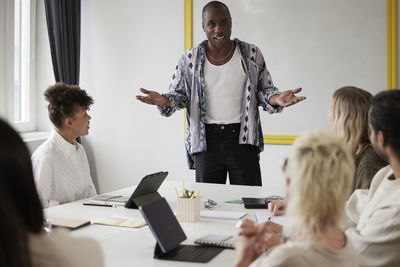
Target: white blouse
x,y
61,171
375,219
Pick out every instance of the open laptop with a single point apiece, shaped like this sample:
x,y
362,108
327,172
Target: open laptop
x,y
145,192
169,234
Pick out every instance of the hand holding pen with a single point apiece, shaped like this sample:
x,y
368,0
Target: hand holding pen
x,y
277,207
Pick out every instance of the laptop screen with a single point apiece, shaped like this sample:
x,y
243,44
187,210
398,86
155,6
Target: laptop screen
x,y
163,224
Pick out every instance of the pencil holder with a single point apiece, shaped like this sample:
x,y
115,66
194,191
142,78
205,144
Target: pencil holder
x,y
188,209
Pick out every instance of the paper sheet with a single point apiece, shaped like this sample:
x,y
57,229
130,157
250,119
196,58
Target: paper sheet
x,y
262,216
230,215
121,222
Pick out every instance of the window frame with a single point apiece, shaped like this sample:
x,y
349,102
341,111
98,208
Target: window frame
x,y
30,123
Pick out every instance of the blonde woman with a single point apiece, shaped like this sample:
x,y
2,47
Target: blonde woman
x,y
319,175
348,115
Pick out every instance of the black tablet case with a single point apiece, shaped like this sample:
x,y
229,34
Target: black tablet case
x,y
169,234
146,191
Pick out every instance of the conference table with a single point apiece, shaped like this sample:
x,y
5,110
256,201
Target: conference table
x,y
135,247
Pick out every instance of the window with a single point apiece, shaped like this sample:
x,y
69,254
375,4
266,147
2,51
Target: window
x,y
20,83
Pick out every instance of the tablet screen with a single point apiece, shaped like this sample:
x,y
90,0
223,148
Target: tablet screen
x,y
163,224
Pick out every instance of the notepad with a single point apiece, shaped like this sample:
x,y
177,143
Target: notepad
x,y
230,215
122,222
67,223
224,241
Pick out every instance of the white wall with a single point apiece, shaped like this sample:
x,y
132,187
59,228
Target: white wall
x,y
44,68
3,57
126,45
319,45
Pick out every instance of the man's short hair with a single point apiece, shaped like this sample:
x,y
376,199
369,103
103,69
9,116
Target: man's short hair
x,y
215,4
385,117
63,100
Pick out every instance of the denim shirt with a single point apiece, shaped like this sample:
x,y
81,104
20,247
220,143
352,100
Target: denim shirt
x,y
187,91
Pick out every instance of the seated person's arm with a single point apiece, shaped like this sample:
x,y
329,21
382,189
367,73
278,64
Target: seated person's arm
x,y
277,207
377,242
45,183
253,240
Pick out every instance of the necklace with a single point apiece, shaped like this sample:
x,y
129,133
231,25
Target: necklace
x,y
222,59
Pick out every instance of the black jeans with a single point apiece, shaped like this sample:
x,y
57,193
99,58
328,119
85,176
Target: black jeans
x,y
225,154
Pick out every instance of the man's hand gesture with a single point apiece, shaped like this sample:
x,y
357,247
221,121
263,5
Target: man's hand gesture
x,y
153,98
287,98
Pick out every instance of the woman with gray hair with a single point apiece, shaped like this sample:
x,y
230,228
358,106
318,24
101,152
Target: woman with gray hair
x,y
319,173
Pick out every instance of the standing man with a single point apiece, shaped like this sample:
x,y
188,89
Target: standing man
x,y
222,82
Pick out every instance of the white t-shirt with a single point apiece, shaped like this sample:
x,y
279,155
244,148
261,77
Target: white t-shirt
x,y
61,171
62,250
224,87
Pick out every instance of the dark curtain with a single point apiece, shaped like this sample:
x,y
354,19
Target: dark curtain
x,y
64,28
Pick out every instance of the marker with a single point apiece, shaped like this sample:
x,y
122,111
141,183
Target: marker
x,y
99,205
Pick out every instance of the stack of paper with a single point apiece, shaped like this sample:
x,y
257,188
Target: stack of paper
x,y
230,215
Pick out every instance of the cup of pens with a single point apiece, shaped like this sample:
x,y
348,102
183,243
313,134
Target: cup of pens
x,y
188,206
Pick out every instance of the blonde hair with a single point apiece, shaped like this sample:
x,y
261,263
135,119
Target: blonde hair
x,y
321,170
349,115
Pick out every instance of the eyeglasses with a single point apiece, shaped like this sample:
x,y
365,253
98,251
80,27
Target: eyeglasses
x,y
209,204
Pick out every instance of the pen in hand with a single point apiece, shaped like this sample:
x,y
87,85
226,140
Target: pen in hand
x,y
273,212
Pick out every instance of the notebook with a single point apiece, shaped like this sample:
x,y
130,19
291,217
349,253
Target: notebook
x,y
169,235
110,198
67,223
121,222
225,241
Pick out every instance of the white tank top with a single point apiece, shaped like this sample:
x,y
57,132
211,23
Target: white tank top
x,y
224,87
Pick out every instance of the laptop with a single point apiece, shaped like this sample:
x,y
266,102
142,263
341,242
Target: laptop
x,y
145,192
169,235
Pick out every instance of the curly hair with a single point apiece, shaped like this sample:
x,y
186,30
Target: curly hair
x,y
63,100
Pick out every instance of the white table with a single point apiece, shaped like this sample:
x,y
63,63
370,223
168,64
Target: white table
x,y
124,247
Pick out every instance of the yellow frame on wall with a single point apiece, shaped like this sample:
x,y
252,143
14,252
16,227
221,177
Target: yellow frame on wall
x,y
391,13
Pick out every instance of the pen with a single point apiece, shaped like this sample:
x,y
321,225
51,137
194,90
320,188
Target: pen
x,y
273,213
100,205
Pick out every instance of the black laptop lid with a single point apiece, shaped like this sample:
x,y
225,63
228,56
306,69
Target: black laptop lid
x,y
146,190
163,224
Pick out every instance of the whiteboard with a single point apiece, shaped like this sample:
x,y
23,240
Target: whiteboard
x,y
319,45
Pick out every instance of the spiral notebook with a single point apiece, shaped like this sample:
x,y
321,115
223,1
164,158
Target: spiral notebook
x,y
224,241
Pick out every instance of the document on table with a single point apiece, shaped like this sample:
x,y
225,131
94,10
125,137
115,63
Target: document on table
x,y
230,215
262,216
121,222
